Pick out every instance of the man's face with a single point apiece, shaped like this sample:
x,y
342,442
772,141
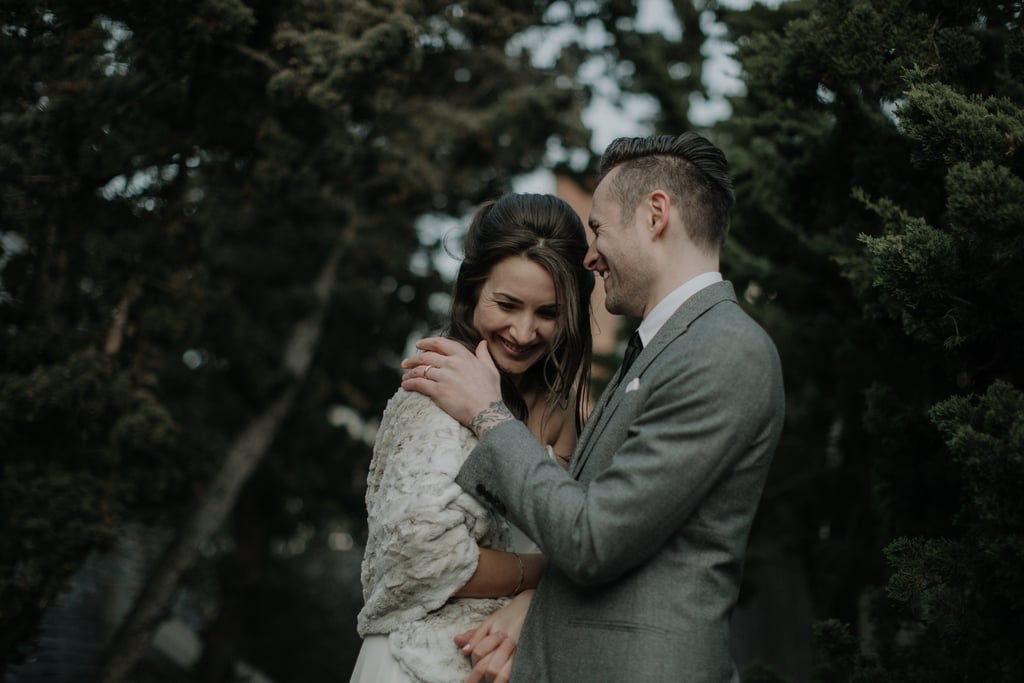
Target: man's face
x,y
615,252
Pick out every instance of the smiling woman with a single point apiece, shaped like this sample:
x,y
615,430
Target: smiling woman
x,y
437,563
516,313
543,231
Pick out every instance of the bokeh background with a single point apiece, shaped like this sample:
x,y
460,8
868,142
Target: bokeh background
x,y
223,222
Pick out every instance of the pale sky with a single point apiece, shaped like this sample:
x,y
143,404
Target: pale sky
x,y
606,118
612,114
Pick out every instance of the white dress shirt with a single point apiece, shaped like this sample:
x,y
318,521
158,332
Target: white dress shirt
x,y
667,306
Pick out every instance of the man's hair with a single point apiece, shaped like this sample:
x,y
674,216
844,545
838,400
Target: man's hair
x,y
689,168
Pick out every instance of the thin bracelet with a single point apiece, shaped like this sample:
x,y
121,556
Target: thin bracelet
x,y
522,576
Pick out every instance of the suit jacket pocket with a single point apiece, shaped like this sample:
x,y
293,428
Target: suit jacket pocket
x,y
617,650
619,626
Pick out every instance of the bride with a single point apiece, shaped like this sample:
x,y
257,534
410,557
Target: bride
x,y
437,562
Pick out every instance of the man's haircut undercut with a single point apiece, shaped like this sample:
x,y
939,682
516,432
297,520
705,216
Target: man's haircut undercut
x,y
692,170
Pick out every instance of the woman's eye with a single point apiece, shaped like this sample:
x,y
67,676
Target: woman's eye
x,y
505,306
548,314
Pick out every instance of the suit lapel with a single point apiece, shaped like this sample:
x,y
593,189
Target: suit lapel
x,y
676,325
591,424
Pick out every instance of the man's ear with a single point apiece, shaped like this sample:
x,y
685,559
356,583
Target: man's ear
x,y
660,205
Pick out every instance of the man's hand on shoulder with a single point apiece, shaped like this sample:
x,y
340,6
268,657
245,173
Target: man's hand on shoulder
x,y
465,385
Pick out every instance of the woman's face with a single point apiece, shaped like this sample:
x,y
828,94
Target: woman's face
x,y
517,313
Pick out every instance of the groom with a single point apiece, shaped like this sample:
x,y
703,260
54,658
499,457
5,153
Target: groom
x,y
645,534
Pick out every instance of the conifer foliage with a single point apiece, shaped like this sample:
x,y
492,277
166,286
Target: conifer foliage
x,y
879,153
174,176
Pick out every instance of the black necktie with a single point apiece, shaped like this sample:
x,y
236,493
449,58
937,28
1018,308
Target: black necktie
x,y
633,349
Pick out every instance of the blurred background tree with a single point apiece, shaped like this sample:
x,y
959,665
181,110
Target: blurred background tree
x,y
880,177
175,178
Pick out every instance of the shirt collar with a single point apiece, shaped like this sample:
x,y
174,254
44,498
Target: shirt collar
x,y
660,314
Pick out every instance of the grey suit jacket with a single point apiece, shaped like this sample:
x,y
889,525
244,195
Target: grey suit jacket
x,y
646,539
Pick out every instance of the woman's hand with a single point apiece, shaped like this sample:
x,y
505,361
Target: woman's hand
x,y
491,646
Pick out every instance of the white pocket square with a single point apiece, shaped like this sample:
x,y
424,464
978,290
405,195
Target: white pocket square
x,y
633,385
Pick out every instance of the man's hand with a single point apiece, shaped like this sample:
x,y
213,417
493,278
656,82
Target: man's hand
x,y
491,646
465,385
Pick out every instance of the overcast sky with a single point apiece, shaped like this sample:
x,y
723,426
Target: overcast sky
x,y
610,114
721,74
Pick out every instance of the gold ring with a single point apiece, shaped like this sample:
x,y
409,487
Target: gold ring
x,y
426,373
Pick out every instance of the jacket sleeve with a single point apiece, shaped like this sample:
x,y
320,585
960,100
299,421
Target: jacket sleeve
x,y
424,529
696,439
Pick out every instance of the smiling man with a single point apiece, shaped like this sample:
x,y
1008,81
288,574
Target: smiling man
x,y
646,532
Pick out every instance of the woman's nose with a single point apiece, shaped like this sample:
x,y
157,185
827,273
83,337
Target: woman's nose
x,y
524,329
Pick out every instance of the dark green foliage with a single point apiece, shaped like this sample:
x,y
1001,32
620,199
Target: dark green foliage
x,y
841,656
986,437
880,203
960,597
963,594
172,178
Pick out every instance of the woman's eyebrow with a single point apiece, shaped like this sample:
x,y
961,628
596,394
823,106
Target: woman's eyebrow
x,y
508,296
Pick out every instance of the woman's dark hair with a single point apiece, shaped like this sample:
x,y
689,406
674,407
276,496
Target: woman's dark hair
x,y
546,230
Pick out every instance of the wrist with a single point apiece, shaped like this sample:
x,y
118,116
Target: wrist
x,y
488,418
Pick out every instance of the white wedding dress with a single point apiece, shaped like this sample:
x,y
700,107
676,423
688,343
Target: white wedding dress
x,y
422,546
376,664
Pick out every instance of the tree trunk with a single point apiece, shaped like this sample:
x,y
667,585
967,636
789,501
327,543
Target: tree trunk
x,y
248,449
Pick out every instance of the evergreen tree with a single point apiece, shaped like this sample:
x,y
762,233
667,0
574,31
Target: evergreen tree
x,y
174,177
881,200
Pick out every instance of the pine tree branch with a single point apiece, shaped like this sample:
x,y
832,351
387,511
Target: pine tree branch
x,y
257,56
115,335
